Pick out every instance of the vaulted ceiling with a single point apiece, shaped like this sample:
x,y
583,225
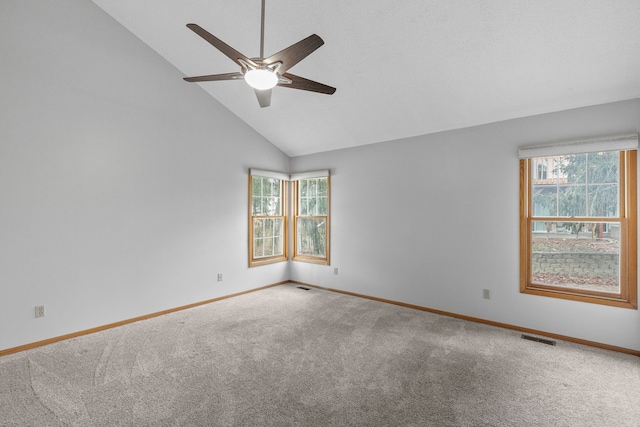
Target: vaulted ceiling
x,y
403,68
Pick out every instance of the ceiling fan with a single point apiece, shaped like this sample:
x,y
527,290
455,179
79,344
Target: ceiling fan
x,y
262,74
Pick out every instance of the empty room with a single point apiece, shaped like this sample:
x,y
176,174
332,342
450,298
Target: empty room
x,y
319,213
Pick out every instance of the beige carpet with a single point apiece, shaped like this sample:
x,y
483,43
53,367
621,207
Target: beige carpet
x,y
289,357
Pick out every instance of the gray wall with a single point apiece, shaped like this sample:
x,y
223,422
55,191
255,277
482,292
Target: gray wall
x,y
433,220
123,189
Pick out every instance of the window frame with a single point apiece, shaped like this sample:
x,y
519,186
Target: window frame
x,y
284,208
325,260
627,217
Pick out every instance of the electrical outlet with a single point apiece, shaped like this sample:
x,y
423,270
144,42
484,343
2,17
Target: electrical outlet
x,y
335,271
219,277
485,293
40,311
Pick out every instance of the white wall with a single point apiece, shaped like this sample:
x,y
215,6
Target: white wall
x,y
432,220
123,189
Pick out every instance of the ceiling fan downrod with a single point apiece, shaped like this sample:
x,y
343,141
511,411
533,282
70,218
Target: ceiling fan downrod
x,y
262,32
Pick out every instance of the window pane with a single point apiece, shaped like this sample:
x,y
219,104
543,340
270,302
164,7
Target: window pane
x,y
268,239
268,246
268,227
312,199
312,206
266,186
258,247
277,246
277,227
546,170
312,190
603,167
311,236
322,206
275,187
572,200
578,255
603,200
545,200
258,227
261,206
603,171
273,206
576,185
322,187
266,200
574,168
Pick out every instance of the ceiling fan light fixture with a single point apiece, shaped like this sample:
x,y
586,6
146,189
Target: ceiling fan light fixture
x,y
261,78
261,73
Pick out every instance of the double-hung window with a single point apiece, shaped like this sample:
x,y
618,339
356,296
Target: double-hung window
x,y
267,217
578,225
270,206
311,222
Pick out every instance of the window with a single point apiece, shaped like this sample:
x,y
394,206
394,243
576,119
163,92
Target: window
x,y
267,217
578,233
542,169
311,223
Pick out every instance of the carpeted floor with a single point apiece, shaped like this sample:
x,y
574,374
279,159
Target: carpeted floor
x,y
284,356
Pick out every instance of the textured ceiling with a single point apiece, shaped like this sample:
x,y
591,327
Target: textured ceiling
x,y
403,68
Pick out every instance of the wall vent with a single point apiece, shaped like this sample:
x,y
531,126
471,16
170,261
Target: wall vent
x,y
536,339
303,288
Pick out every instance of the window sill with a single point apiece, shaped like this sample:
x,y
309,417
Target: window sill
x,y
614,300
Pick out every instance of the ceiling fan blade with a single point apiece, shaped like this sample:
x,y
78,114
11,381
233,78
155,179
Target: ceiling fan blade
x,y
306,84
215,77
295,53
230,52
264,97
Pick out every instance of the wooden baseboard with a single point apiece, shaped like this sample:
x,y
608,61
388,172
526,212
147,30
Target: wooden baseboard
x,y
486,322
416,307
124,322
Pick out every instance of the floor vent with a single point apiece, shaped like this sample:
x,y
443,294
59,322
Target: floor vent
x,y
303,288
536,339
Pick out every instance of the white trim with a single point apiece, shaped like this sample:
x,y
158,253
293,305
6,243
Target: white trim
x,y
312,174
613,143
269,174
